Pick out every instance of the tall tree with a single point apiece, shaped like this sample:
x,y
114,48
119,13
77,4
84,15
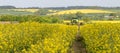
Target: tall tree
x,y
79,15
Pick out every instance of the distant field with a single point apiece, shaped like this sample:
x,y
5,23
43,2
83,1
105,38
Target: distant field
x,y
22,11
12,12
25,10
113,10
82,11
56,12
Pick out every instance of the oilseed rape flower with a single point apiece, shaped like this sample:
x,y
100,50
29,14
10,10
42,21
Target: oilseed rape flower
x,y
33,37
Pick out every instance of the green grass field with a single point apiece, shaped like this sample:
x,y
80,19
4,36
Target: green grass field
x,y
6,11
113,10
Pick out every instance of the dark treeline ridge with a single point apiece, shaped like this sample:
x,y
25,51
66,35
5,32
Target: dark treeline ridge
x,y
83,7
62,8
7,7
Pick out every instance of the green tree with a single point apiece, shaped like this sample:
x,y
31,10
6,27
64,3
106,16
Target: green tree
x,y
42,12
79,15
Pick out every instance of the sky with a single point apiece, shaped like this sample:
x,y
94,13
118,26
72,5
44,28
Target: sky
x,y
60,3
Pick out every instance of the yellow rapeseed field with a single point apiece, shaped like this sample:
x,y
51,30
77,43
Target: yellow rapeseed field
x,y
33,37
52,10
102,37
105,21
80,10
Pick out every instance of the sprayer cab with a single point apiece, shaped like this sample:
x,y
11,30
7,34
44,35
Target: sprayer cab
x,y
74,21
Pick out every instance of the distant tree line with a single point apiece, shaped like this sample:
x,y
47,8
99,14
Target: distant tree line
x,y
64,8
82,7
7,7
34,18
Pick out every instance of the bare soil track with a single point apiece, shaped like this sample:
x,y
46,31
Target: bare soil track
x,y
79,45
